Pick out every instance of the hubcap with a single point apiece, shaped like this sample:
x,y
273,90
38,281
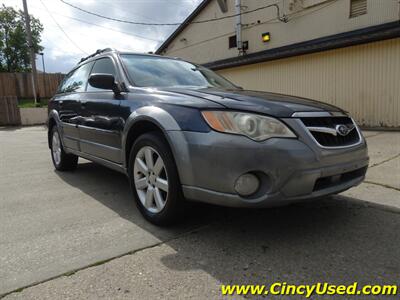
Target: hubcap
x,y
151,180
56,148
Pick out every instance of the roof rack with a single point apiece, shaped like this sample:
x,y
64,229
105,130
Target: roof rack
x,y
99,51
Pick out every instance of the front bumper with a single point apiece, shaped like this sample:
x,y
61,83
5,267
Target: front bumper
x,y
291,169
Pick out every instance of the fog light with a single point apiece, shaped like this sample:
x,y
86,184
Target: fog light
x,y
247,184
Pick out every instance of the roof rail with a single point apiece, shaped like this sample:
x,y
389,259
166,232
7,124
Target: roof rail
x,y
99,51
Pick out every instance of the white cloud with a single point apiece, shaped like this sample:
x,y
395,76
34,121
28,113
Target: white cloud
x,y
61,54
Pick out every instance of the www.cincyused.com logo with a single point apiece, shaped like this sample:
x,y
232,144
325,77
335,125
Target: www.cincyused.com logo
x,y
307,290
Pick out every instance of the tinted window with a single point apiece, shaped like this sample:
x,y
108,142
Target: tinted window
x,y
102,65
76,80
153,71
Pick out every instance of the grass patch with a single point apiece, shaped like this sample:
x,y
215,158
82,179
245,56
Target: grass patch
x,y
30,103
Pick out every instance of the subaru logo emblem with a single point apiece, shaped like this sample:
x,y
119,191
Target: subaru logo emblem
x,y
344,130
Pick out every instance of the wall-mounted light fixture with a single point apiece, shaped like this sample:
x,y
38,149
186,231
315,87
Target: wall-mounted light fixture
x,y
266,37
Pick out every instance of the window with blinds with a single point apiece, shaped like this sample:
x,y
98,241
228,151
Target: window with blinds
x,y
358,8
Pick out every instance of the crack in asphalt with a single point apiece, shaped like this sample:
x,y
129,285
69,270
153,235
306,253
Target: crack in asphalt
x,y
101,262
382,185
385,161
374,135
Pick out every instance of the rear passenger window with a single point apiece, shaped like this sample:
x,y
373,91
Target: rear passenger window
x,y
76,80
104,66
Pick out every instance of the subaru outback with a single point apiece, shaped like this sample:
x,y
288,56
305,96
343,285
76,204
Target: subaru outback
x,y
181,132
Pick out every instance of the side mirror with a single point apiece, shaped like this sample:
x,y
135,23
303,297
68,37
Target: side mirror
x,y
104,81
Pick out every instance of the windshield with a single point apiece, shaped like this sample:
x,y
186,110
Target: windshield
x,y
153,71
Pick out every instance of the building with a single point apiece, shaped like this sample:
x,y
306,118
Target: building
x,y
344,52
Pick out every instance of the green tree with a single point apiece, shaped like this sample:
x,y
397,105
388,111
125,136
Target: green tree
x,y
14,49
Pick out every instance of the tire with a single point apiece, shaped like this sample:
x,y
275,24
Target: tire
x,y
61,160
155,184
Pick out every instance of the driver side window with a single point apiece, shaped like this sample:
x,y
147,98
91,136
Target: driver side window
x,y
102,65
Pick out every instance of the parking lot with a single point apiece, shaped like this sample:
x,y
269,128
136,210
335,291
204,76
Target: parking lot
x,y
80,235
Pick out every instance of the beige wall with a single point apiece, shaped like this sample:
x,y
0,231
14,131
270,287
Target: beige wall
x,y
208,42
364,80
33,116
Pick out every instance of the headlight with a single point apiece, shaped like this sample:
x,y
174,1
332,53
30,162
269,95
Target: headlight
x,y
256,127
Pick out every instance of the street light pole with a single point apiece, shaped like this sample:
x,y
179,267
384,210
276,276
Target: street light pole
x,y
44,74
31,49
42,54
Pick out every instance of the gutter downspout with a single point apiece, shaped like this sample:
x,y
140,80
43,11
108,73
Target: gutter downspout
x,y
238,10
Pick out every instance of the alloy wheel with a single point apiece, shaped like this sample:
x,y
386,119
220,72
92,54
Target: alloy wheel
x,y
151,179
56,148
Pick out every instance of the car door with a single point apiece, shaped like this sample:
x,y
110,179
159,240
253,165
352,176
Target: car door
x,y
101,127
69,104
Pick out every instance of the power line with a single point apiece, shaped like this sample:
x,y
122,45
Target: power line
x,y
247,26
109,28
116,7
254,24
102,26
58,25
175,24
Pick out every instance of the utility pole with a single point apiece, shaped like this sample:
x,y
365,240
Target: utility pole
x,y
31,49
238,26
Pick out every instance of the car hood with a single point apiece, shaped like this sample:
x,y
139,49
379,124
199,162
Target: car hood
x,y
277,105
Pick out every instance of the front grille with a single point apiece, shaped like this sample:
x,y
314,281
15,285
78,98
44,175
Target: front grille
x,y
328,139
330,181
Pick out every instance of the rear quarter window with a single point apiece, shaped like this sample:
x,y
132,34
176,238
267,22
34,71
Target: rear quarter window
x,y
76,80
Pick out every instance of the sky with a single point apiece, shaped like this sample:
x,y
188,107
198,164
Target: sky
x,y
84,33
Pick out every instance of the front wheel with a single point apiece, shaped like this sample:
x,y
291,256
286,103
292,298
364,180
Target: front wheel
x,y
154,179
61,160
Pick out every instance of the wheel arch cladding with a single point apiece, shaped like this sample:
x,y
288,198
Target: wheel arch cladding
x,y
143,120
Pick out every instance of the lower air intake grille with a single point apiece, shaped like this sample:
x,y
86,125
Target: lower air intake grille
x,y
330,181
327,131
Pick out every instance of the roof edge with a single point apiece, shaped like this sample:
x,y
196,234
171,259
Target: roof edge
x,y
181,27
